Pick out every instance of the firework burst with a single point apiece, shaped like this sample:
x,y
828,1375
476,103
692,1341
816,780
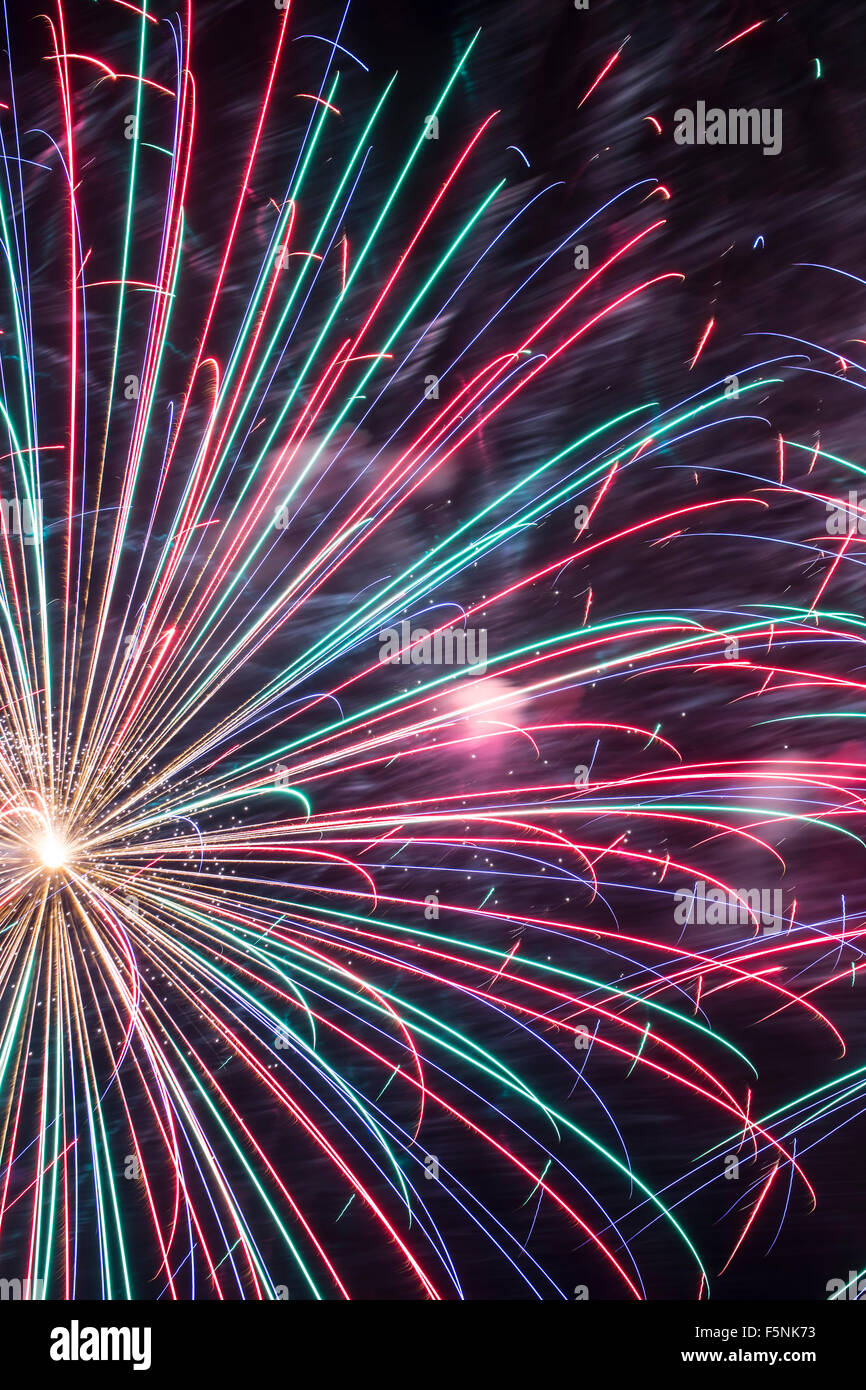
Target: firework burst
x,y
338,952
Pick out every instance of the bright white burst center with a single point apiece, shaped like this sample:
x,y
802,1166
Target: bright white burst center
x,y
52,851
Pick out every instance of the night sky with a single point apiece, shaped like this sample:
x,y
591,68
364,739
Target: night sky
x,y
338,1028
